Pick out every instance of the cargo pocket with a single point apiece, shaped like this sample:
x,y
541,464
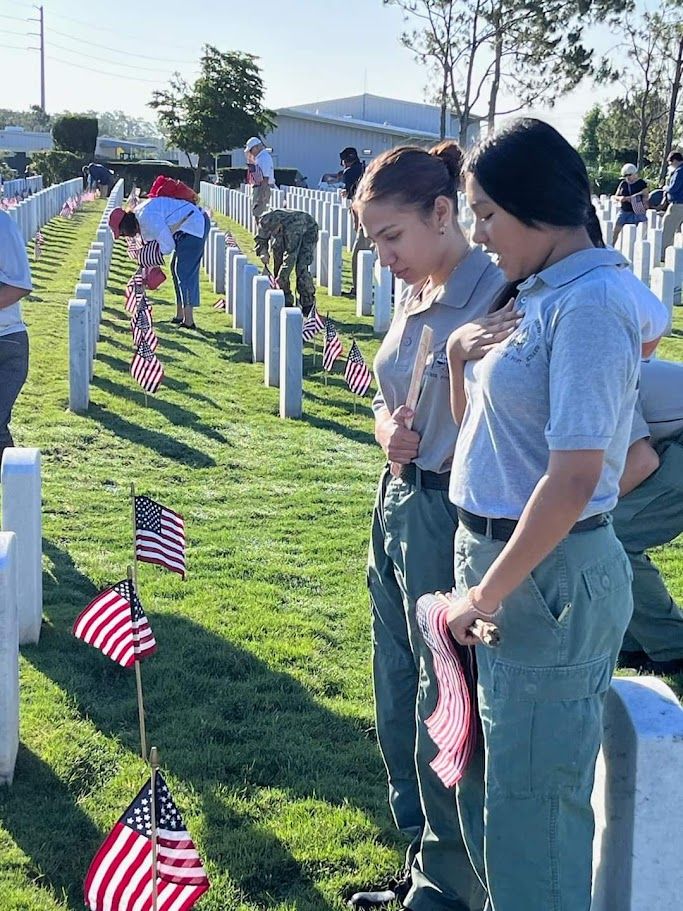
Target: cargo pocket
x,y
543,727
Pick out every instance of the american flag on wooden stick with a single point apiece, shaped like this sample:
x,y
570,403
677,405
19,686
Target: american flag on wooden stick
x,y
143,330
159,535
134,245
115,623
135,292
120,875
220,304
146,368
230,240
150,254
453,723
38,242
333,346
313,324
357,374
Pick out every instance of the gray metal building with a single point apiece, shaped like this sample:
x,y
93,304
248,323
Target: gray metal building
x,y
310,136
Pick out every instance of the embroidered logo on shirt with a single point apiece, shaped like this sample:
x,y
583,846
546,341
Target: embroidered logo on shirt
x,y
524,344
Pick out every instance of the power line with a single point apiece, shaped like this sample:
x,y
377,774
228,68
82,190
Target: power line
x,y
126,54
102,28
103,72
14,18
134,66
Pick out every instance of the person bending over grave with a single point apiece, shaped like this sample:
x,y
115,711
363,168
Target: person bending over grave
x,y
99,178
292,237
179,227
15,283
650,513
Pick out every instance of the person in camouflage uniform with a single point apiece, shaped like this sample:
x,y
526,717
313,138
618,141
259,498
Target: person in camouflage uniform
x,y
292,237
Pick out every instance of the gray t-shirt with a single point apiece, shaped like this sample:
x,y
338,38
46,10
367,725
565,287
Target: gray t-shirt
x,y
14,270
469,292
564,380
659,409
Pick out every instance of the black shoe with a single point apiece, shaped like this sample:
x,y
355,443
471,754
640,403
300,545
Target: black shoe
x,y
176,321
350,293
188,325
394,890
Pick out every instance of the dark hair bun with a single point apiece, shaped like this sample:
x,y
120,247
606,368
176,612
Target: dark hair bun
x,y
452,156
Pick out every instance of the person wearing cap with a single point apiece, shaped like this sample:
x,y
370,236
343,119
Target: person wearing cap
x,y
673,200
263,175
632,194
15,283
180,228
352,171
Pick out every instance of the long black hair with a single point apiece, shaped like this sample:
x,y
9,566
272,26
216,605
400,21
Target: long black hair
x,y
531,171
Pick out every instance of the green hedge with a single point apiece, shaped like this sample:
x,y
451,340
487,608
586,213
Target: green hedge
x,y
56,166
73,133
144,175
284,177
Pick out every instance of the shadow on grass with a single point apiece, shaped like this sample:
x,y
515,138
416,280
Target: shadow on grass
x,y
225,721
159,443
176,414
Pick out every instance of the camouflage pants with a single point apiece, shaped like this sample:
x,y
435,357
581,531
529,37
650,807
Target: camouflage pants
x,y
260,199
298,258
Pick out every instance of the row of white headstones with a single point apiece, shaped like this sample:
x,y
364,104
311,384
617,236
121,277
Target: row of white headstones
x,y
86,306
32,213
638,797
638,794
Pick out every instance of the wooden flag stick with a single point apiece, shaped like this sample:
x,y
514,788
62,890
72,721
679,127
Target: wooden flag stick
x,y
154,763
138,683
419,367
135,549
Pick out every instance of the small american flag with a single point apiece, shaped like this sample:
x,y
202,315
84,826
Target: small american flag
x,y
159,535
66,211
453,723
135,293
38,242
357,374
272,281
133,246
230,241
146,368
220,304
143,330
115,623
313,324
333,346
120,875
150,254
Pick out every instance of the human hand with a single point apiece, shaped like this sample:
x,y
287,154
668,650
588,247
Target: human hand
x,y
473,340
400,444
265,259
463,614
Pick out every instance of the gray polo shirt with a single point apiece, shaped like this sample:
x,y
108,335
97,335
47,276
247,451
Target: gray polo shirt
x,y
564,380
659,409
469,292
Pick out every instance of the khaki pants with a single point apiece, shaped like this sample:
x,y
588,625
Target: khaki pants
x,y
673,218
260,200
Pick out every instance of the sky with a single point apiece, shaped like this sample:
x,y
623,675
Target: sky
x,y
112,57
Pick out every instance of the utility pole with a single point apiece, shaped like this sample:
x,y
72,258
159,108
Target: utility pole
x,y
41,35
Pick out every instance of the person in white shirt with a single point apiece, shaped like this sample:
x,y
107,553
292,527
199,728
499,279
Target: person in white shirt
x,y
179,227
15,283
263,175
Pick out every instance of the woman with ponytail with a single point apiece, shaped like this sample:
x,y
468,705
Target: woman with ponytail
x,y
407,203
546,416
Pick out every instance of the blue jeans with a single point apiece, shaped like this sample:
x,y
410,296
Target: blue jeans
x,y
185,265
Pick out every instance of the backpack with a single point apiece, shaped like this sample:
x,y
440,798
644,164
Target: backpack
x,y
176,189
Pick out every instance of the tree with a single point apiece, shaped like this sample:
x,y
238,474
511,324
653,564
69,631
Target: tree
x,y
589,140
219,111
529,49
73,133
35,119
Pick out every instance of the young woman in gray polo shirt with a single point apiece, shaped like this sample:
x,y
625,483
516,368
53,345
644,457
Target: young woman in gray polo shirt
x,y
407,204
543,441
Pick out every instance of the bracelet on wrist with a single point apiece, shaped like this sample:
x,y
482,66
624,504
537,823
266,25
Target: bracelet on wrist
x,y
471,600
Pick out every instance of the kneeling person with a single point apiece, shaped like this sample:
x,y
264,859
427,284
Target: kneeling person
x,y
292,237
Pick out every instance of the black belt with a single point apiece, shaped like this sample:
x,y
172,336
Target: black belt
x,y
502,529
432,480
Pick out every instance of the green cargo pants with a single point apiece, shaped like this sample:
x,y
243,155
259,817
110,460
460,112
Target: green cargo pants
x,y
411,553
525,804
649,516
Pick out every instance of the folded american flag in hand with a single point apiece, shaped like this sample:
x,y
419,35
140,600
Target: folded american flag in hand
x,y
453,723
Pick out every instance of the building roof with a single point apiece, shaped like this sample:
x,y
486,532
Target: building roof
x,y
382,98
354,122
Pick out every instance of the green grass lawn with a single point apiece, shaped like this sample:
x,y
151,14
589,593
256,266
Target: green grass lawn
x,y
259,697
